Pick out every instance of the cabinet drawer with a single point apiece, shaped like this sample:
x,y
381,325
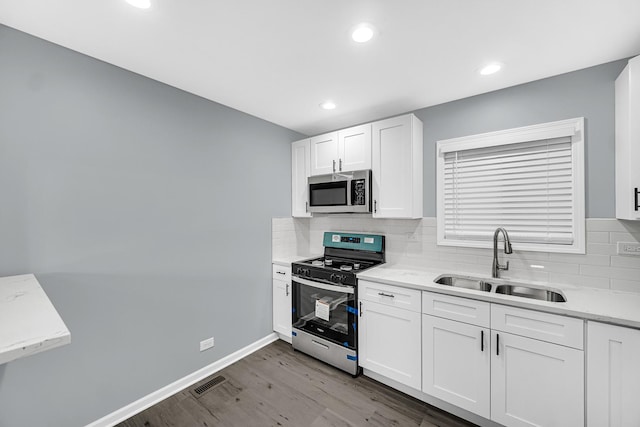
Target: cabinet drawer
x,y
455,308
282,273
552,328
395,296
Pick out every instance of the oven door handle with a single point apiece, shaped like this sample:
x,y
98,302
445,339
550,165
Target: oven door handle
x,y
326,287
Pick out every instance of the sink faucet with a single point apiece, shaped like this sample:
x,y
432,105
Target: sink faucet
x,y
507,250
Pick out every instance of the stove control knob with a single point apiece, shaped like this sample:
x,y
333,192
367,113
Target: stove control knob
x,y
332,277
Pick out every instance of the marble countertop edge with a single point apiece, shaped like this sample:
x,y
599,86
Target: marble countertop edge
x,y
29,323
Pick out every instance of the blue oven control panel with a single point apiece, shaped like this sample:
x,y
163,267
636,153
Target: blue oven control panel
x,y
363,242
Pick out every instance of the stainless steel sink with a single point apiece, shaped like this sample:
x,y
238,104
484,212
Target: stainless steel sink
x,y
503,287
463,282
539,293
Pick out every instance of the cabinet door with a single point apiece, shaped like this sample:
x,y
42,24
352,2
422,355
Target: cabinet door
x,y
456,363
389,342
324,154
300,167
396,164
613,376
354,148
535,383
282,308
627,108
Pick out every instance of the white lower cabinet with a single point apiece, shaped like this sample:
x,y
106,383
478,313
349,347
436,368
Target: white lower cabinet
x,y
613,376
516,367
456,363
282,301
389,334
536,383
537,368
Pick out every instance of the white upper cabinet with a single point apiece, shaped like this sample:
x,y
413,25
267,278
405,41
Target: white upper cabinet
x,y
342,151
354,148
300,167
324,153
396,165
628,141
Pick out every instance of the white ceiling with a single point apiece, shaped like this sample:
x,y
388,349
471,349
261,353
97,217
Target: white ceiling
x,y
279,59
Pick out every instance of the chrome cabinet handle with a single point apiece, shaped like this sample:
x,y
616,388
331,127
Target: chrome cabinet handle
x,y
306,206
360,308
497,344
481,340
287,290
281,272
334,165
375,206
636,199
386,295
340,165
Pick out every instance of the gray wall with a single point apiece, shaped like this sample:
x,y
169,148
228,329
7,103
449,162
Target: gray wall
x,y
145,212
587,93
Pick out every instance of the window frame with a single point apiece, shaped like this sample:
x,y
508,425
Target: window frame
x,y
573,128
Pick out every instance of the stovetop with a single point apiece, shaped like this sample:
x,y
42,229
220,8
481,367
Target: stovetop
x,y
340,264
345,255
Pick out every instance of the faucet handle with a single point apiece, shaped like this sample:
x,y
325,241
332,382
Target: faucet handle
x,y
504,267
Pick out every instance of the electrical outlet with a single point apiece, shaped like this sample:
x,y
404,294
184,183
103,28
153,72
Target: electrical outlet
x,y
206,344
628,248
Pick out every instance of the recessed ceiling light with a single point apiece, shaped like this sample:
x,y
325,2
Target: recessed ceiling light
x,y
141,4
328,105
363,32
494,67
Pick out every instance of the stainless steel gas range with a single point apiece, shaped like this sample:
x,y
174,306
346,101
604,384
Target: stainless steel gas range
x,y
324,298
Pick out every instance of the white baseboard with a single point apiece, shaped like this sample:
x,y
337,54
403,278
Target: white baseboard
x,y
169,390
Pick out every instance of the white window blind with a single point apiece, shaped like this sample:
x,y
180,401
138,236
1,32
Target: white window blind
x,y
528,180
525,187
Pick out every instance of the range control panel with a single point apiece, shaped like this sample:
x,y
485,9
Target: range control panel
x,y
367,242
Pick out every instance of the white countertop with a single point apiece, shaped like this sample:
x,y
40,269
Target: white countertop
x,y
29,323
616,307
287,260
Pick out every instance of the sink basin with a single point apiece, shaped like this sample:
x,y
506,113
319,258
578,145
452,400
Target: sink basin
x,y
463,282
503,287
543,294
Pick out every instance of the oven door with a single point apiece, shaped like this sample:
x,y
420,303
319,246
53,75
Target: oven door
x,y
325,310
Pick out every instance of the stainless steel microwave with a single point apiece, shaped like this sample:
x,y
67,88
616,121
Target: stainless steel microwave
x,y
342,192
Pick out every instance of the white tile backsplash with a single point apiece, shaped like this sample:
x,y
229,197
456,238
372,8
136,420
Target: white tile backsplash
x,y
413,243
625,285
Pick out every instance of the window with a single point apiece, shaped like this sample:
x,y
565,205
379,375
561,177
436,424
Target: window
x,y
529,180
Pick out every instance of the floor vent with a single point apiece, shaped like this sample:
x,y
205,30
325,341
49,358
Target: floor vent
x,y
203,387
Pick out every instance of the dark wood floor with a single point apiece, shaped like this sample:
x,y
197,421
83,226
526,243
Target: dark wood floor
x,y
276,386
